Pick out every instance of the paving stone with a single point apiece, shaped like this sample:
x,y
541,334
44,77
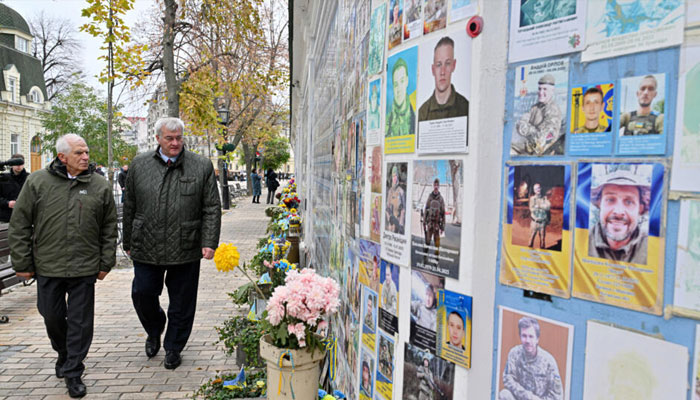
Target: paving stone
x,y
117,367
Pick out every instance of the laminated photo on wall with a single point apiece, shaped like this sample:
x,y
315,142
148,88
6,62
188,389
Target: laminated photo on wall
x,y
435,15
367,373
539,108
621,364
591,131
543,28
389,300
369,317
454,328
424,305
443,94
386,356
436,228
395,22
426,376
686,152
461,9
642,103
374,113
375,223
375,165
619,241
413,19
686,293
618,27
395,245
400,121
534,356
369,264
377,35
537,234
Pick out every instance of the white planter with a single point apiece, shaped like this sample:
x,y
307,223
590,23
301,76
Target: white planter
x,y
303,379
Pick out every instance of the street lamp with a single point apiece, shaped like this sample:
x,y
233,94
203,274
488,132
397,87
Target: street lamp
x,y
223,175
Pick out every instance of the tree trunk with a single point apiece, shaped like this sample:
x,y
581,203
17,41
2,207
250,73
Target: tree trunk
x,y
249,158
171,82
110,90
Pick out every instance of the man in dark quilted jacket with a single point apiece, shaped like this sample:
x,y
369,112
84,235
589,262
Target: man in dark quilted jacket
x,y
172,219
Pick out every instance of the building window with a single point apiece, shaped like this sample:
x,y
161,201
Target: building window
x,y
21,44
35,96
12,87
14,143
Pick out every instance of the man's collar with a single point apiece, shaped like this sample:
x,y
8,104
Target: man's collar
x,y
166,158
450,99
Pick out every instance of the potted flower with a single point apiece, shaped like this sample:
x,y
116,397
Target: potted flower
x,y
292,347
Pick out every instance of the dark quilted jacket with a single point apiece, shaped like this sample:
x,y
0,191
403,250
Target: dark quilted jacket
x,y
170,213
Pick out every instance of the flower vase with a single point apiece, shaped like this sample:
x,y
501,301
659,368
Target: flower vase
x,y
298,374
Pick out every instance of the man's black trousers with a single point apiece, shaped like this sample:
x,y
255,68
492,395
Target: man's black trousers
x,y
271,196
182,282
69,324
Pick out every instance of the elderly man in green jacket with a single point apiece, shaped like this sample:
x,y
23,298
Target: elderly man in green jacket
x,y
172,219
63,231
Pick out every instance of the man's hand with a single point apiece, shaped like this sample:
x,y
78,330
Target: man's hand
x,y
25,275
207,253
11,203
101,275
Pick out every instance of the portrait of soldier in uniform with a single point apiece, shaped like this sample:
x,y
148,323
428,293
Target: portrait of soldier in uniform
x,y
434,217
395,211
455,331
538,130
386,366
592,105
401,119
530,371
445,101
647,118
395,24
369,313
619,227
373,118
539,215
426,376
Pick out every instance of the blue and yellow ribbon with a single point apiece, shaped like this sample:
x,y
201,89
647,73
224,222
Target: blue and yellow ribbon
x,y
291,377
331,345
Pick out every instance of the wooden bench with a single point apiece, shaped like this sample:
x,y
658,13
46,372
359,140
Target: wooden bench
x,y
7,274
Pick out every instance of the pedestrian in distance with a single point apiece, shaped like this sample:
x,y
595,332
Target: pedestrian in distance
x,y
272,185
256,179
121,179
63,232
172,219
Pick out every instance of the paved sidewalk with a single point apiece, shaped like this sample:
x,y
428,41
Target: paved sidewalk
x,y
117,366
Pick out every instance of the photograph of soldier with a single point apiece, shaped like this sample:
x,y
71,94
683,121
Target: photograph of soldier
x,y
374,112
369,317
539,130
436,226
533,357
619,219
445,101
400,117
455,331
642,105
386,357
435,15
395,210
538,206
375,217
413,21
367,377
395,23
593,108
375,165
538,11
424,305
390,283
369,264
426,376
376,40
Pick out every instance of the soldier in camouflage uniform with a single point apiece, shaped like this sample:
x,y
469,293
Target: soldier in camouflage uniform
x,y
434,217
401,120
426,384
395,204
530,372
539,215
539,129
643,121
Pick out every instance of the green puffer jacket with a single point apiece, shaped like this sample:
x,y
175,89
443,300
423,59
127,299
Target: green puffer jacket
x,y
63,227
170,213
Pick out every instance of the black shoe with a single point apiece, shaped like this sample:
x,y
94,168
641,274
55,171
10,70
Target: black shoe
x,y
76,388
59,366
172,359
152,346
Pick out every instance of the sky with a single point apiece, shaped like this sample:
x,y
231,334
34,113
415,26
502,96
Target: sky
x,y
71,10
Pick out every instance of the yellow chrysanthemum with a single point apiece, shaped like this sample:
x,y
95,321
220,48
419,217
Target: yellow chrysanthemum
x,y
226,257
261,384
293,211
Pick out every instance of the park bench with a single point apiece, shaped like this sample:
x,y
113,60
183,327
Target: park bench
x,y
7,274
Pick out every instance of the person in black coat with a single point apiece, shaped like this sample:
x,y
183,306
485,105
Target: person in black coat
x,y
272,185
121,179
10,185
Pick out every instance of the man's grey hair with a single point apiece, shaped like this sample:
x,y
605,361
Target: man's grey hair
x,y
171,124
63,144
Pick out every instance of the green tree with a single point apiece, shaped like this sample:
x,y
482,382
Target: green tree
x,y
81,110
275,153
